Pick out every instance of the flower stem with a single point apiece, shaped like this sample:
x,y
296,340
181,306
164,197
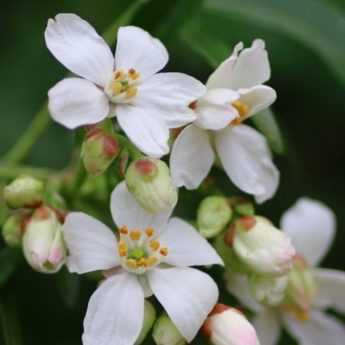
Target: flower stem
x,y
12,171
29,137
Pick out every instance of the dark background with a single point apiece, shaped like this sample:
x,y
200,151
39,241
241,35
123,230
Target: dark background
x,y
306,43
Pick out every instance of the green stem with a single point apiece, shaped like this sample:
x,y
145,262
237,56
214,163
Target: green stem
x,y
42,119
133,151
12,171
29,137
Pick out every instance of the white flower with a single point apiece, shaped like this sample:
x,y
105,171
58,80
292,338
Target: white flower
x,y
311,226
146,104
153,255
235,92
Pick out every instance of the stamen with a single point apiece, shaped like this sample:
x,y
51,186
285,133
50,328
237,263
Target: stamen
x,y
135,235
131,91
116,87
131,263
124,230
119,75
164,251
154,245
242,109
149,232
151,261
122,248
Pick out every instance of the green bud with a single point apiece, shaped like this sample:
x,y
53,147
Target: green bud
x,y
269,291
149,319
149,180
214,214
99,150
166,333
24,191
242,206
12,231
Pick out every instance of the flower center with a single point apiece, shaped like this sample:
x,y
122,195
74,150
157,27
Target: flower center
x,y
123,86
296,312
242,109
140,250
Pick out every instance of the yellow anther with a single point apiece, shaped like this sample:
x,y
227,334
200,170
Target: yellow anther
x,y
122,248
131,263
149,232
141,262
133,74
151,261
154,245
164,251
124,230
242,109
119,75
135,235
297,313
131,91
116,87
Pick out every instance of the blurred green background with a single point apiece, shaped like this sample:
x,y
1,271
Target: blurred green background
x,y
306,43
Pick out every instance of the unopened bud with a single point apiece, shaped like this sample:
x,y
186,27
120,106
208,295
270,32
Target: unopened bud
x,y
99,150
262,247
12,231
242,206
269,291
214,214
301,289
43,244
166,333
149,319
24,191
149,180
228,326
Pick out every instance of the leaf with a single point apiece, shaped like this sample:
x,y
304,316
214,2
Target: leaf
x,y
266,122
9,259
9,318
317,24
69,287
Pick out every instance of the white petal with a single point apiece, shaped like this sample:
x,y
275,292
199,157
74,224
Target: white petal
x,y
257,98
267,326
127,212
168,95
237,284
191,157
247,160
115,312
243,69
186,246
214,111
76,44
92,246
331,289
75,102
147,131
188,295
311,226
321,329
137,49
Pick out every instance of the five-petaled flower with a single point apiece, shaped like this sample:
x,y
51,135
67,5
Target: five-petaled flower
x,y
235,92
311,227
152,256
145,103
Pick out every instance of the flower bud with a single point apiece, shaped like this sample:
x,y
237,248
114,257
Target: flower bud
x,y
43,244
262,247
228,326
24,191
214,214
301,289
149,319
166,333
149,180
242,206
12,231
99,149
269,291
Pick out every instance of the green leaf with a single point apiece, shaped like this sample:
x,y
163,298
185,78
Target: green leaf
x,y
266,122
11,330
9,259
69,287
315,23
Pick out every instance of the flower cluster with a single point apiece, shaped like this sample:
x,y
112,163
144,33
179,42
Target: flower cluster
x,y
131,115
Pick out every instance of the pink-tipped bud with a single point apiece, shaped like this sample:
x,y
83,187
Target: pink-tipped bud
x,y
262,247
99,150
43,244
228,326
